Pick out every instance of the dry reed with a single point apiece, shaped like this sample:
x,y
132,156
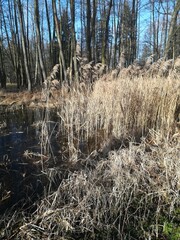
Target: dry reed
x,y
129,195
122,108
109,190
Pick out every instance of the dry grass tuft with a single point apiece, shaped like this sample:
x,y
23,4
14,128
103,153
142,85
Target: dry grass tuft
x,y
115,199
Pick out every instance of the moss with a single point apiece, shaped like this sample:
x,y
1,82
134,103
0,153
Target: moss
x,y
171,230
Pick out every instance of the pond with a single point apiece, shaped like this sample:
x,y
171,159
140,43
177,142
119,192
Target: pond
x,y
21,154
20,130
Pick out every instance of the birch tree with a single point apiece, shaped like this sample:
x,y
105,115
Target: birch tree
x,y
24,43
38,38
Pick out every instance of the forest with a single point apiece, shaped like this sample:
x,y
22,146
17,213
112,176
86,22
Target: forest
x,y
90,119
37,35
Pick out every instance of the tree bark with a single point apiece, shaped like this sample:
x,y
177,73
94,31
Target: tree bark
x,y
93,30
61,56
171,34
88,29
73,41
106,32
38,38
49,32
23,39
2,70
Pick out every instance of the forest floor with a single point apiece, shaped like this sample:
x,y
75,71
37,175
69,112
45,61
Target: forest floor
x,y
13,98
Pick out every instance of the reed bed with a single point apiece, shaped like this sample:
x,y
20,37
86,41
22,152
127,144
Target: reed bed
x,y
120,175
122,109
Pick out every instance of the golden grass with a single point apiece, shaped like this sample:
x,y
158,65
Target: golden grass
x,y
121,108
112,190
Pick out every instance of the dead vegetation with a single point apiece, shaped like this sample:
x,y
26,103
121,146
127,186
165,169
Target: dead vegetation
x,y
120,175
159,68
130,194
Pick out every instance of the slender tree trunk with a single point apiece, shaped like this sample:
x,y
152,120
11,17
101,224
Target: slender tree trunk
x,y
153,27
2,70
93,30
49,33
115,30
38,37
18,50
82,29
8,38
61,56
166,24
27,29
171,34
122,30
157,34
88,29
106,33
133,33
36,66
54,55
23,39
73,40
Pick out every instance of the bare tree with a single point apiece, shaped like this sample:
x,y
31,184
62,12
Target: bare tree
x,y
38,37
88,29
73,41
133,31
24,44
171,34
105,20
61,56
93,30
49,34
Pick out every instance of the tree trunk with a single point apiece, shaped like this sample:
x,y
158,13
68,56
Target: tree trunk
x,y
106,33
50,37
133,33
116,31
88,30
73,41
166,25
171,34
38,38
93,30
18,50
61,56
23,39
2,70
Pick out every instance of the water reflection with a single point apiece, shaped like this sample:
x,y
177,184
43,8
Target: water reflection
x,y
19,131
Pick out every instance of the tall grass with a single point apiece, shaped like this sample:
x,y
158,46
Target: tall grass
x,y
122,108
121,174
110,189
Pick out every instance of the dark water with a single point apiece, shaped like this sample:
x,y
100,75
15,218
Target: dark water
x,y
20,176
20,130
